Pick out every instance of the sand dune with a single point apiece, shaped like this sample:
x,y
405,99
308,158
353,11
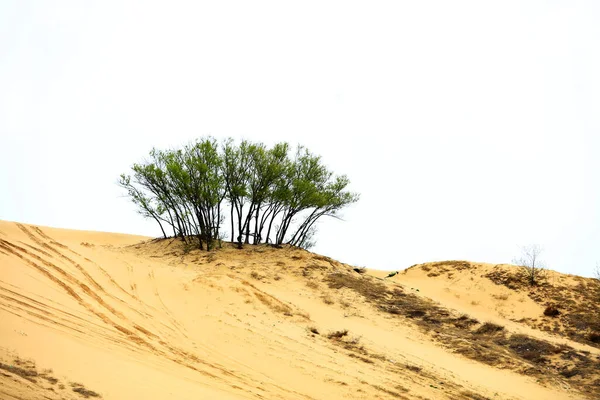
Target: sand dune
x,y
126,317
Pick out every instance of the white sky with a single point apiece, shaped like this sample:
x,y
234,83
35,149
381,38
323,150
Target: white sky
x,y
469,128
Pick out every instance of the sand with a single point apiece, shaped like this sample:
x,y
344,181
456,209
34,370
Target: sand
x,y
128,318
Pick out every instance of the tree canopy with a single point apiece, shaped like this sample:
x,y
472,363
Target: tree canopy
x,y
273,195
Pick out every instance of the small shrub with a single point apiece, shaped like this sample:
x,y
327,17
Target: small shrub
x,y
312,284
337,334
489,328
502,296
360,270
465,321
594,337
414,368
531,349
256,275
327,299
313,329
85,392
551,311
569,373
355,340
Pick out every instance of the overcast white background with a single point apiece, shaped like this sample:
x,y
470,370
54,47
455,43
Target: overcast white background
x,y
468,128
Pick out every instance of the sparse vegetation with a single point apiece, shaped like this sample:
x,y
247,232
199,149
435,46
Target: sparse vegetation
x,y
531,349
27,370
489,343
79,388
531,267
313,329
489,328
256,275
551,311
337,334
312,284
577,305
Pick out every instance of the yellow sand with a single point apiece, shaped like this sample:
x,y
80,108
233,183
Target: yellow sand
x,y
146,322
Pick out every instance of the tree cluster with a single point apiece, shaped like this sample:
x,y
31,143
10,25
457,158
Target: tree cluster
x,y
270,195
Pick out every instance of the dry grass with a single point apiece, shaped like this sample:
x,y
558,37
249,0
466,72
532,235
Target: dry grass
x,y
531,349
575,308
366,286
24,371
488,342
312,284
79,388
502,296
489,328
313,329
337,334
27,370
256,275
327,299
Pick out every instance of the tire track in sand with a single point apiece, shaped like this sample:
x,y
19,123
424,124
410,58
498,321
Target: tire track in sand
x,y
91,280
167,351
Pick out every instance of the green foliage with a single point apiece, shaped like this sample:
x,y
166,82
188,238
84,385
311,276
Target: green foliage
x,y
272,196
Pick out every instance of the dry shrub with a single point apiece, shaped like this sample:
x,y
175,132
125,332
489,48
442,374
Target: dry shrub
x,y
327,299
28,372
531,349
313,329
256,275
594,337
551,311
465,322
467,394
510,279
345,304
85,392
569,372
312,284
414,368
489,328
337,334
364,285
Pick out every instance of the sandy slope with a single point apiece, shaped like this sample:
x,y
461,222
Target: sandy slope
x,y
471,293
133,320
